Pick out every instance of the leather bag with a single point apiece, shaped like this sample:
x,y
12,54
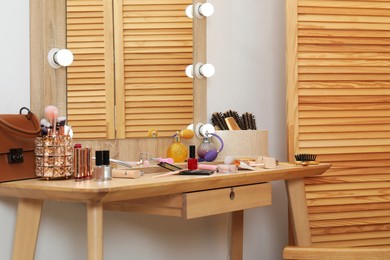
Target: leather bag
x,y
17,145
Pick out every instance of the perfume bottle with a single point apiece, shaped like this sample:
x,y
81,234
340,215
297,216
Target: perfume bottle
x,y
192,162
177,150
207,150
102,170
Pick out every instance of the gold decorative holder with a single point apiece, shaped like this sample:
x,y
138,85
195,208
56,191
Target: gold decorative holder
x,y
53,157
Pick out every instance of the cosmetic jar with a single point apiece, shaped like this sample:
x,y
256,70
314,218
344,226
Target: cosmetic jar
x,y
269,162
227,168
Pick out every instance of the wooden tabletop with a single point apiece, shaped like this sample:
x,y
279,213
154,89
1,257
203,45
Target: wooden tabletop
x,y
147,185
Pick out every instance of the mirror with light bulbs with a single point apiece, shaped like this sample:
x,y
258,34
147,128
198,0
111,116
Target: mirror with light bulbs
x,y
48,85
138,79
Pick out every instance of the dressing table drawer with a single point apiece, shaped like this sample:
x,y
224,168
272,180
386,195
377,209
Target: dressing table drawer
x,y
217,201
199,203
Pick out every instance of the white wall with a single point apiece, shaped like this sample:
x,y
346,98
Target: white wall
x,y
246,44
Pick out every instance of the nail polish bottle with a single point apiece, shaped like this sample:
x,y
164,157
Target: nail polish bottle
x,y
102,170
192,162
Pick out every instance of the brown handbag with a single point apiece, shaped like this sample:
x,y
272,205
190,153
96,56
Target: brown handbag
x,y
17,144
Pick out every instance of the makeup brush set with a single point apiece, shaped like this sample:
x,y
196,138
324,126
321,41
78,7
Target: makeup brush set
x,y
231,120
54,125
53,148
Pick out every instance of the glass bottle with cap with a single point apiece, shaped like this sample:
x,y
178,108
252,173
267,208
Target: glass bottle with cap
x,y
102,170
192,162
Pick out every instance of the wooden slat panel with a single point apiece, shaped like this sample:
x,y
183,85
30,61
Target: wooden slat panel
x,y
153,47
350,229
156,46
348,193
339,89
351,236
350,214
90,78
292,252
355,243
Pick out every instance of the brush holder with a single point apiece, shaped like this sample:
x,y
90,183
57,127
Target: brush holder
x,y
243,143
53,157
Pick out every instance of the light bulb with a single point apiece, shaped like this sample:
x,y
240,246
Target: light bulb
x,y
190,11
201,10
207,70
60,58
204,130
201,70
207,129
190,71
64,57
206,9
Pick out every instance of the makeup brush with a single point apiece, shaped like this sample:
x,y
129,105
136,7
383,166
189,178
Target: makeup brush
x,y
51,113
61,125
43,124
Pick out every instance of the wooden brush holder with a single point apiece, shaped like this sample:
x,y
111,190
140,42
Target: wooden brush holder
x,y
243,143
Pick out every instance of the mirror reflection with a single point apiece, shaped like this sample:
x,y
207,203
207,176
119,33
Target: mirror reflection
x,y
128,75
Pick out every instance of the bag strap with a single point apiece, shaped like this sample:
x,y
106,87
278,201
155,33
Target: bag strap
x,y
29,116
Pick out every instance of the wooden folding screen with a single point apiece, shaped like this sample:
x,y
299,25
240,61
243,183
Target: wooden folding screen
x,y
129,71
338,88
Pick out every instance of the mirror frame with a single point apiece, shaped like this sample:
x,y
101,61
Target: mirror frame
x,y
48,85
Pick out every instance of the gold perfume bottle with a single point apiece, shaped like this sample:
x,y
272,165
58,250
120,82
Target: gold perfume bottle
x,y
177,150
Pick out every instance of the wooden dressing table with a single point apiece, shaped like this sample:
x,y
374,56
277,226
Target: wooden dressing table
x,y
181,196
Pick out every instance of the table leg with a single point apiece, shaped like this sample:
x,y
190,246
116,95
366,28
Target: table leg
x,y
237,230
95,231
26,231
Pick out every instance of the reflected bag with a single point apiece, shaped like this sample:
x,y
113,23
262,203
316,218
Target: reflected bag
x,y
17,144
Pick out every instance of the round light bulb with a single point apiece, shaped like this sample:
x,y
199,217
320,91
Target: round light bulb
x,y
190,71
206,9
58,58
207,70
204,130
190,11
207,129
63,57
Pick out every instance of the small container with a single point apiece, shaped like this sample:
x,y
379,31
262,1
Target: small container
x,y
78,163
87,172
102,170
192,162
53,157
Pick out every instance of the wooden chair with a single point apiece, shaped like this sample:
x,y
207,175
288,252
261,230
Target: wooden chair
x,y
335,218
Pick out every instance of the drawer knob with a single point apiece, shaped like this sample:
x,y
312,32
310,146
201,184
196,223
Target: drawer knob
x,y
232,195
